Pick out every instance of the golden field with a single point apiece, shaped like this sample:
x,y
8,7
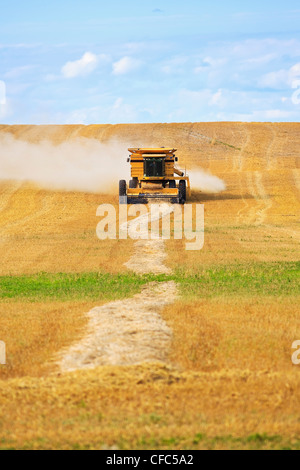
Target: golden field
x,y
229,382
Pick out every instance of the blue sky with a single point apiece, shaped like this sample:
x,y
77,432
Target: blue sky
x,y
92,61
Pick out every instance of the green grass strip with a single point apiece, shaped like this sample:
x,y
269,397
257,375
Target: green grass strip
x,y
251,279
262,279
64,286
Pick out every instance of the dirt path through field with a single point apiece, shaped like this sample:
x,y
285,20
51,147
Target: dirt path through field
x,y
130,331
149,253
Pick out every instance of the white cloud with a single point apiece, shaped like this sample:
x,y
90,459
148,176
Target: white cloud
x,y
51,77
122,112
18,72
185,80
281,78
227,105
82,67
274,114
271,115
260,59
253,48
210,63
205,97
294,72
125,65
217,98
175,65
277,79
215,62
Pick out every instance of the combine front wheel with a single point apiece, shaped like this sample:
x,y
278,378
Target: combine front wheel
x,y
133,183
122,192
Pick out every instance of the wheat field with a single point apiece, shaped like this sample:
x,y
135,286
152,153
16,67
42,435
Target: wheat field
x,y
229,381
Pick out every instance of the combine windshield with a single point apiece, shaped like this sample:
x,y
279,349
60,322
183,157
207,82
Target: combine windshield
x,y
154,167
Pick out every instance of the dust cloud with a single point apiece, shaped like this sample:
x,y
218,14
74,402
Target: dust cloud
x,y
205,182
82,164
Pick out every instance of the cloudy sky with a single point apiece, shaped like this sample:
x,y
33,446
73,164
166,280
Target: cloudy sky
x,y
94,61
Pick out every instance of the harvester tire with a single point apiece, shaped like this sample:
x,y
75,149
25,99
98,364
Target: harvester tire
x,y
132,184
182,191
172,184
122,188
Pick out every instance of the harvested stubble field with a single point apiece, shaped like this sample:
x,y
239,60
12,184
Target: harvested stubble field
x,y
227,380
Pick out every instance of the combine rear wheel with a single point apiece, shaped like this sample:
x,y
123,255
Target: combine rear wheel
x,y
182,191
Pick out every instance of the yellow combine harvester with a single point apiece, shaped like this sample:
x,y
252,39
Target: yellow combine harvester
x,y
152,177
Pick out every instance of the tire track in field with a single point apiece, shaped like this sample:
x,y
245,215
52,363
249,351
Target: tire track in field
x,y
256,214
7,194
252,213
238,160
296,177
130,331
238,166
266,200
271,163
39,208
267,204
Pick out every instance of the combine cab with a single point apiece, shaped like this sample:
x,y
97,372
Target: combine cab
x,y
154,176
